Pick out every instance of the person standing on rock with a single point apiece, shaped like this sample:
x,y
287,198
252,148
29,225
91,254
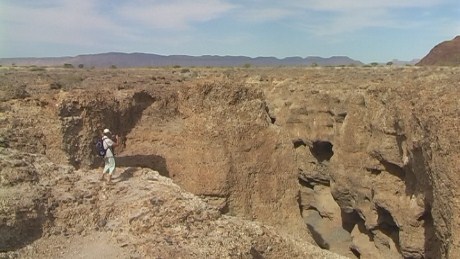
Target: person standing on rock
x,y
109,158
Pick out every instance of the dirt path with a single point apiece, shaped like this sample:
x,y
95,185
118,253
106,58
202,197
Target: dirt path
x,y
94,245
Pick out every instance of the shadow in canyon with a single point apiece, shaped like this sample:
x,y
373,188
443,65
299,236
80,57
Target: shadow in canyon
x,y
154,162
21,235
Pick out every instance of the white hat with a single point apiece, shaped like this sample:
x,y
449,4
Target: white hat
x,y
106,131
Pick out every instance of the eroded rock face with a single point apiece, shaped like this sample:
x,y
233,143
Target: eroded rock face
x,y
24,206
82,119
378,163
142,214
213,129
363,159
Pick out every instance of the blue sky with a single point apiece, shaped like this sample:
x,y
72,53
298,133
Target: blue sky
x,y
366,30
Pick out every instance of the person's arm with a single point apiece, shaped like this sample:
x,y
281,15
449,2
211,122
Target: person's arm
x,y
116,142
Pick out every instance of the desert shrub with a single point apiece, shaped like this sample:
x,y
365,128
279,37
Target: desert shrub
x,y
55,85
185,70
113,67
176,66
264,78
15,92
4,142
123,86
35,69
68,65
74,79
4,107
67,81
390,63
81,66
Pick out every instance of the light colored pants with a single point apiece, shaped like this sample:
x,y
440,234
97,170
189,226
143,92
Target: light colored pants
x,y
109,166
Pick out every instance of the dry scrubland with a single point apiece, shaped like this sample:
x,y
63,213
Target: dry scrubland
x,y
231,162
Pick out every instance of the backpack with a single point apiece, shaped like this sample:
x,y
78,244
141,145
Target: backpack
x,y
101,151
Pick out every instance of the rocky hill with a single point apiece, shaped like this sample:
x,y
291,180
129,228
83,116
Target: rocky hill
x,y
446,53
231,162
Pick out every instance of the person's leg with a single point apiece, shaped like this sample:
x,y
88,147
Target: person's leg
x,y
106,168
111,168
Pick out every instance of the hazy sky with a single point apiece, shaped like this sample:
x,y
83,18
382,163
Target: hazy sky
x,y
367,30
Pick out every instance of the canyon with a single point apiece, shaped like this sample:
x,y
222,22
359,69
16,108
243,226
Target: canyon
x,y
308,162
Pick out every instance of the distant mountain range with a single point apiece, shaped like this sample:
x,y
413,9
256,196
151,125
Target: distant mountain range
x,y
147,60
396,62
153,60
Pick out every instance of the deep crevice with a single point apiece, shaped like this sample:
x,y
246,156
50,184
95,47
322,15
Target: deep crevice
x,y
432,242
305,182
340,117
272,118
310,182
322,150
385,219
299,143
387,226
418,163
355,252
130,117
349,220
394,169
374,171
299,202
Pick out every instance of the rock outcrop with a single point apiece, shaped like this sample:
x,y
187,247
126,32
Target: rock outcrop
x,y
360,161
143,214
446,53
373,145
